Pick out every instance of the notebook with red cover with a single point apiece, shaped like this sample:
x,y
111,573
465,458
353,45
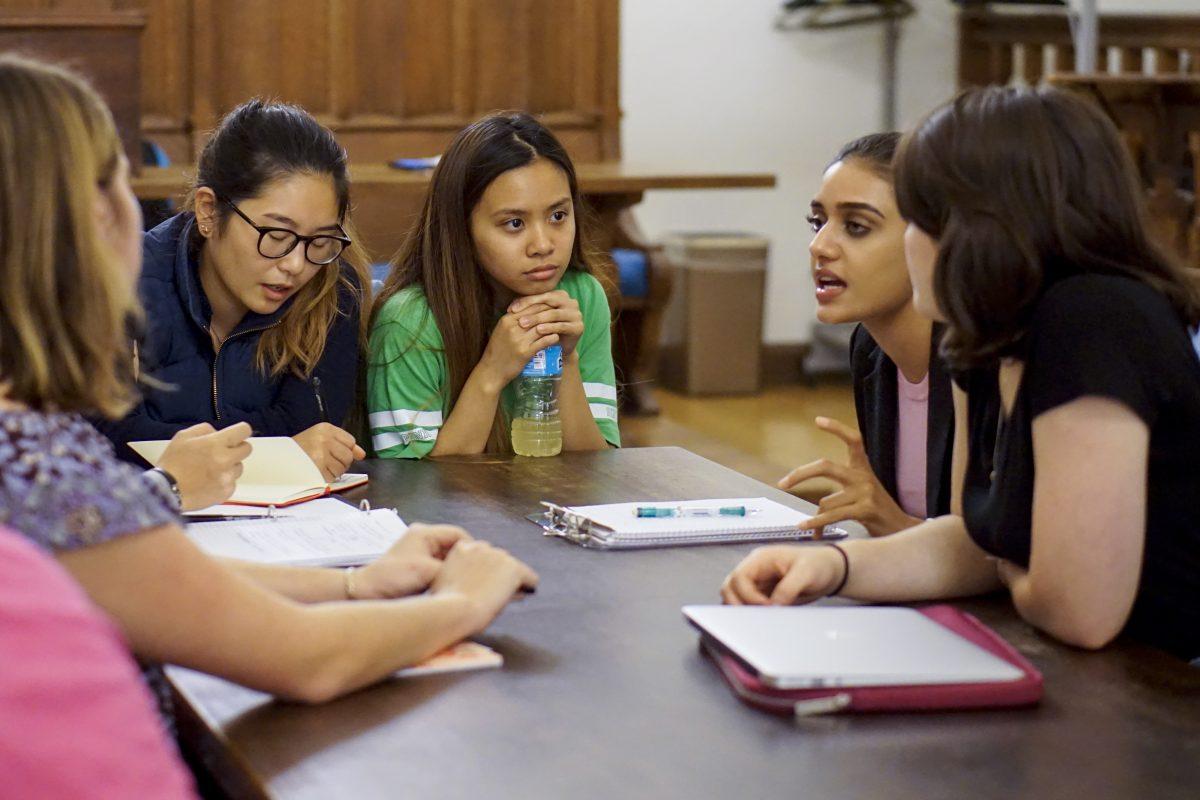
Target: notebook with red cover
x,y
1024,690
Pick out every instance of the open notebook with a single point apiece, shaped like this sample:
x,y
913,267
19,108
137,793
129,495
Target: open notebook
x,y
618,526
276,473
325,541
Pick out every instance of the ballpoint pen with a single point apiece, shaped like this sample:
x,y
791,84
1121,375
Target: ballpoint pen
x,y
692,511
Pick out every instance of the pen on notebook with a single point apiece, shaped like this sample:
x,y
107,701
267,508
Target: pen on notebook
x,y
316,384
222,517
693,511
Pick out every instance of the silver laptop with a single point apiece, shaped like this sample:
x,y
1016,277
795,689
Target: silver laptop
x,y
809,647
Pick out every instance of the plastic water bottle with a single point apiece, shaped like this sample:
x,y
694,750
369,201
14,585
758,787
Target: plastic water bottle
x,y
536,428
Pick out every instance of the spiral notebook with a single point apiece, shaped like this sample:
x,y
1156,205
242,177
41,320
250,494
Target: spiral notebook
x,y
323,541
615,526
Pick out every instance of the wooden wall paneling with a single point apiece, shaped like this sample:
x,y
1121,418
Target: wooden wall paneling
x,y
56,6
380,73
560,37
609,27
166,74
204,104
462,90
501,40
341,40
98,42
248,48
430,71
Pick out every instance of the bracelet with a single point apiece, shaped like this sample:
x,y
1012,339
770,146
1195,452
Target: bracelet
x,y
348,575
845,572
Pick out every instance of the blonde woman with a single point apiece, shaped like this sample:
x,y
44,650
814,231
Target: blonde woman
x,y
70,252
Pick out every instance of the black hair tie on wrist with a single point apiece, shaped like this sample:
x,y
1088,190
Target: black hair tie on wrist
x,y
845,572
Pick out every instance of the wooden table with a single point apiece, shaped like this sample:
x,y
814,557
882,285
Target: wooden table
x,y
604,694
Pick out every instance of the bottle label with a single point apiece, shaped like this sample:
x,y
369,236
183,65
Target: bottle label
x,y
545,364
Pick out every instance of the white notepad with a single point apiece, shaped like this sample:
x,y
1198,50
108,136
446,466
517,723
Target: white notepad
x,y
617,526
277,472
328,541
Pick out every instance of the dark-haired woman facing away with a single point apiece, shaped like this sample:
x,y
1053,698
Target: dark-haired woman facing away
x,y
253,296
1027,237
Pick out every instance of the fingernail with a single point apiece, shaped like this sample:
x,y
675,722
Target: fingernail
x,y
524,322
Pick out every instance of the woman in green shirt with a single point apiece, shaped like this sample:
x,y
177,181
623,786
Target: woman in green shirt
x,y
493,273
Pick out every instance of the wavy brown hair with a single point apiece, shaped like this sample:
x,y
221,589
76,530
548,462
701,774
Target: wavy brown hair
x,y
68,300
256,144
439,255
1022,188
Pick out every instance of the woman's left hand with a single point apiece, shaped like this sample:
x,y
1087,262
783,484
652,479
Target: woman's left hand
x,y
410,565
551,312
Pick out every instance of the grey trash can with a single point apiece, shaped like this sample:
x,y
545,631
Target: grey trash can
x,y
717,311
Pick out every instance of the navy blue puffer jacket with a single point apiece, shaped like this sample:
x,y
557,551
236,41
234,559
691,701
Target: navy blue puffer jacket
x,y
224,388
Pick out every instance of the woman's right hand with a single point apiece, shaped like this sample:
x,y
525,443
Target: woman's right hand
x,y
486,576
783,575
510,348
332,449
206,463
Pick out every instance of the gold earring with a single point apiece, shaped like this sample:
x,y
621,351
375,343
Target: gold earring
x,y
204,229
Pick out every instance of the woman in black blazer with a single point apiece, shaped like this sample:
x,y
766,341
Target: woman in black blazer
x,y
898,471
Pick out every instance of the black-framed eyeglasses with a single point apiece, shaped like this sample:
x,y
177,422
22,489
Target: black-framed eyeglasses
x,y
322,249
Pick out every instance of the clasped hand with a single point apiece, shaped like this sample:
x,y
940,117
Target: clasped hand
x,y
532,324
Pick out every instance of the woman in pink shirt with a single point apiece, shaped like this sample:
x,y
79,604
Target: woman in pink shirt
x,y
76,720
898,470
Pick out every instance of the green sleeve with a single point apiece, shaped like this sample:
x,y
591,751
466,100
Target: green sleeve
x,y
595,355
406,378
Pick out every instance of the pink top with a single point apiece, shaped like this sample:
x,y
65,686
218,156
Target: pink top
x,y
912,429
76,719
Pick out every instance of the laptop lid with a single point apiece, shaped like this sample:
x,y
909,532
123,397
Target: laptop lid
x,y
811,647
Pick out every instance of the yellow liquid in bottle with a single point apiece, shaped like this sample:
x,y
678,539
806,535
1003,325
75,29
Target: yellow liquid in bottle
x,y
534,437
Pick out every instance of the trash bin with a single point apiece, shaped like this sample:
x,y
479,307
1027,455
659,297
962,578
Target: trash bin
x,y
718,312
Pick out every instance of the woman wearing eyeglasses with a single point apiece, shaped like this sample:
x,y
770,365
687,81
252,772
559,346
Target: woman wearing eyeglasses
x,y
253,295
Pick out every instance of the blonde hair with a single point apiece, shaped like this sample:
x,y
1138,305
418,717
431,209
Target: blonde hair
x,y
68,301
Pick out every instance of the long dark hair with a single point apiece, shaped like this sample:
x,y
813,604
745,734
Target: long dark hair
x,y
256,144
439,255
1022,188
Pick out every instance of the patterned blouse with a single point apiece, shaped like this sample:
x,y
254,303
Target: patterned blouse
x,y
62,487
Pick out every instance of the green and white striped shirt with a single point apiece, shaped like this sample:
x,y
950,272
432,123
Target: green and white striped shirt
x,y
407,391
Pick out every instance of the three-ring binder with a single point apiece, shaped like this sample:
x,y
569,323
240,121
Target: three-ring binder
x,y
616,526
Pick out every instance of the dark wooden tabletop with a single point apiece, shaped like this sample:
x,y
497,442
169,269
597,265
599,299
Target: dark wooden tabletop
x,y
604,694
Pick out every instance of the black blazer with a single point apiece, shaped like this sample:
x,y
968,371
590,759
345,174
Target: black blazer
x,y
877,406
